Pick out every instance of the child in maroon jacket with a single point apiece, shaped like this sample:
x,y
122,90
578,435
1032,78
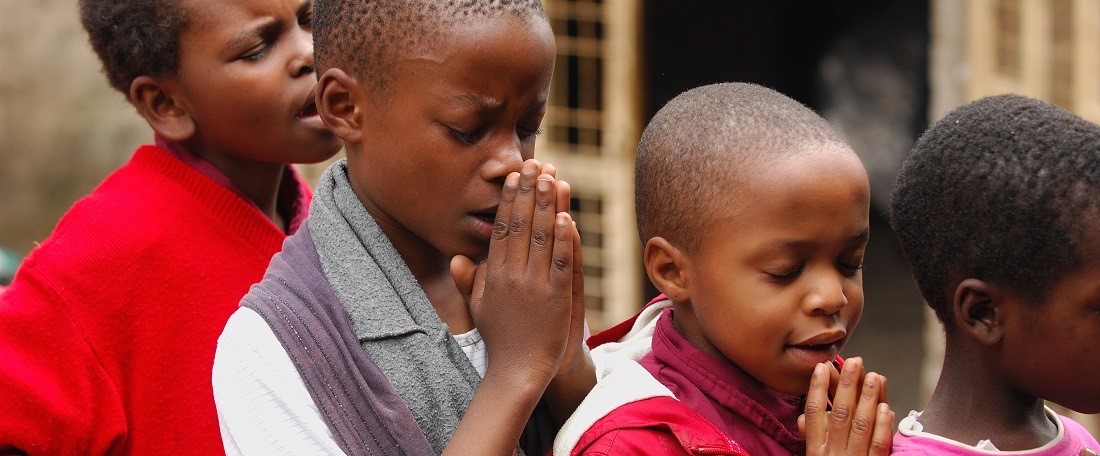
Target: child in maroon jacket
x,y
754,213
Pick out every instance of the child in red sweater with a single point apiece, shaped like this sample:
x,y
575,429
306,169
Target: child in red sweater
x,y
754,212
107,333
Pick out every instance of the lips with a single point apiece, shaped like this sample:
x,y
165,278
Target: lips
x,y
488,216
822,341
309,110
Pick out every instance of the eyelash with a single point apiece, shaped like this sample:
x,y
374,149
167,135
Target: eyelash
x,y
259,54
306,20
465,138
787,276
525,135
848,270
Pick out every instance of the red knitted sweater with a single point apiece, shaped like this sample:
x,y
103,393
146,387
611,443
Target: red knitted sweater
x,y
107,333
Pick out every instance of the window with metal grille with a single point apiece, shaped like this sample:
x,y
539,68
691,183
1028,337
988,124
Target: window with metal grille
x,y
588,211
577,121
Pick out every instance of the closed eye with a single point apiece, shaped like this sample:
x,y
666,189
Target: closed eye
x,y
463,137
256,53
527,134
786,276
850,270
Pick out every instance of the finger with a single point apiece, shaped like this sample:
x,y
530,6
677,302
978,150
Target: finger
x,y
844,402
498,246
816,411
462,270
834,378
543,222
519,225
882,396
578,272
866,411
548,168
564,193
561,271
1088,452
882,440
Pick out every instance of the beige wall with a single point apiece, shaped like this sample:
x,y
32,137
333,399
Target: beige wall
x,y
62,128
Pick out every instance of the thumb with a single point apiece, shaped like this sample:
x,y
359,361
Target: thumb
x,y
463,270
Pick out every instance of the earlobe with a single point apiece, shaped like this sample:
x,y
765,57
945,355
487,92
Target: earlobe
x,y
668,268
978,311
158,102
338,99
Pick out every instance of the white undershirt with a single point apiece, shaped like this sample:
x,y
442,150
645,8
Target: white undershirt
x,y
263,405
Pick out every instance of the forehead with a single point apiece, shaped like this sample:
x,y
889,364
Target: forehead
x,y
225,15
799,195
478,56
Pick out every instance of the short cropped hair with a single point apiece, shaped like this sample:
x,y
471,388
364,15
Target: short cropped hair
x,y
366,37
701,143
134,37
1002,189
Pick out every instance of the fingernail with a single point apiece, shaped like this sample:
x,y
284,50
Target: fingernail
x,y
512,180
871,380
529,168
850,366
562,218
543,185
821,370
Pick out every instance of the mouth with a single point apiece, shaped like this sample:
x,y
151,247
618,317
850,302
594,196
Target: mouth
x,y
309,110
484,220
819,348
488,215
822,341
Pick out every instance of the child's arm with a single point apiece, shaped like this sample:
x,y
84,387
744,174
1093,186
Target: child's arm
x,y
522,308
859,422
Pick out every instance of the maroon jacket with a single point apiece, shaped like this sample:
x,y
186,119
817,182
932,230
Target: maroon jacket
x,y
707,406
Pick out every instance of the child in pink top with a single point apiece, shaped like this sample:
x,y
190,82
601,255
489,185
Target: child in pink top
x,y
996,209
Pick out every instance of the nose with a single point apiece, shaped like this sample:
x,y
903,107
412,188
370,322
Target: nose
x,y
507,156
826,295
301,63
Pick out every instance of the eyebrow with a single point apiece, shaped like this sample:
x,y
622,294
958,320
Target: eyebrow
x,y
246,36
483,103
861,236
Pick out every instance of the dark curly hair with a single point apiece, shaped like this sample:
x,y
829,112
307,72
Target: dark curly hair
x,y
134,37
364,37
1002,189
705,140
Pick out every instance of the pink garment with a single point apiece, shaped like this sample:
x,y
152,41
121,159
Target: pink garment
x,y
1074,438
761,420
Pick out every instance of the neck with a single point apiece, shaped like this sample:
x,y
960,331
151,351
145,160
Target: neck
x,y
973,401
259,181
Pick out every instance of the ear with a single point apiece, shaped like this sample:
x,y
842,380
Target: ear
x,y
159,102
668,268
978,310
338,103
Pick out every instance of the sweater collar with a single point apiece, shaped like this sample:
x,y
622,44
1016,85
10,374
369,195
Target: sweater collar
x,y
293,193
730,388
